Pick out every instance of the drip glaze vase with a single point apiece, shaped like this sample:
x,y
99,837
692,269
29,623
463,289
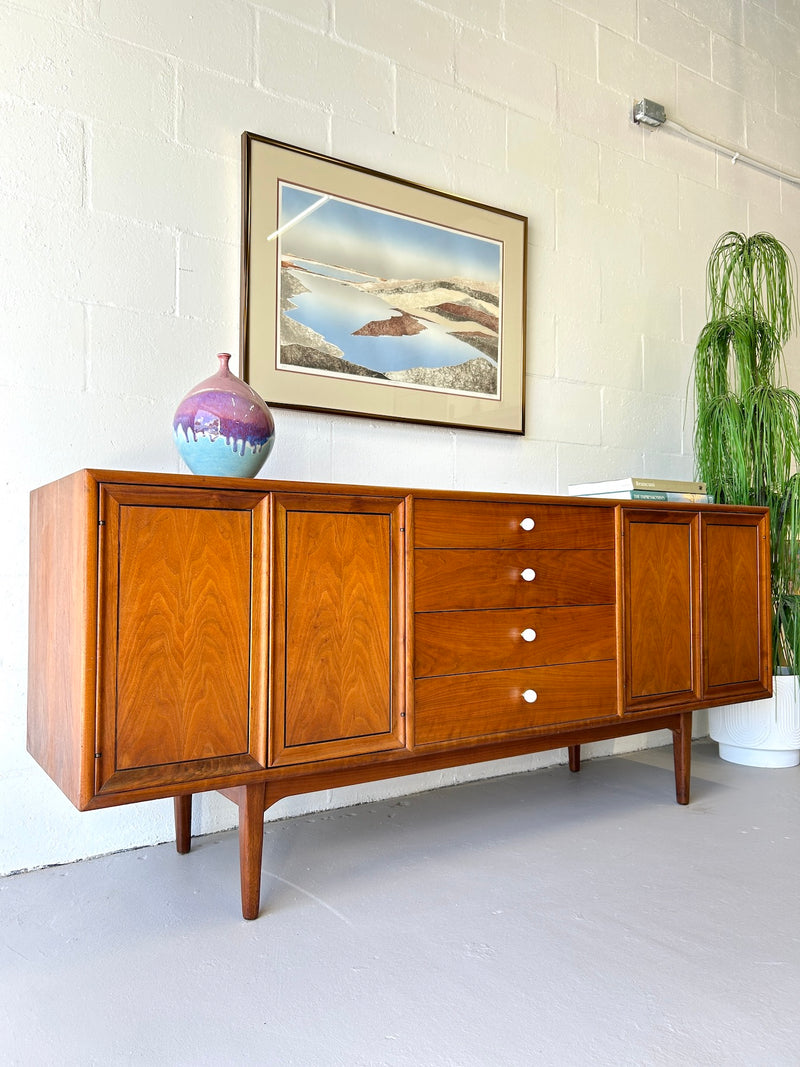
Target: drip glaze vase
x,y
222,427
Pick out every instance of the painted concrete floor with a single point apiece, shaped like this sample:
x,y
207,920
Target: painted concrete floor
x,y
544,918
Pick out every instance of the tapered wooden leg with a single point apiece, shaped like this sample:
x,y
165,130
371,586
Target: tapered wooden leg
x,y
574,757
183,823
682,754
252,804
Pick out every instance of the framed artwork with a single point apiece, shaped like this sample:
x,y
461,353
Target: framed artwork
x,y
369,295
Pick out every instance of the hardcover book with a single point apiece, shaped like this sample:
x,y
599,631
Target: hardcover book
x,y
662,485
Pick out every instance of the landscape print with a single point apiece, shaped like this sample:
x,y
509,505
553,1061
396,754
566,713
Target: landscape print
x,y
367,293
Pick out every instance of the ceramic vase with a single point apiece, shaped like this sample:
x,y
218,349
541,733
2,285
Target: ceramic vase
x,y
760,733
222,427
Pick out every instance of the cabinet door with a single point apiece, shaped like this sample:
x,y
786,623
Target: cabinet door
x,y
181,673
338,663
660,608
736,606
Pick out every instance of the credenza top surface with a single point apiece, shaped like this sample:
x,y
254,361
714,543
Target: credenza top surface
x,y
265,485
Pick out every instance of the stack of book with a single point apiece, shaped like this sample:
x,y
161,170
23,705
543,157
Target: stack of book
x,y
645,489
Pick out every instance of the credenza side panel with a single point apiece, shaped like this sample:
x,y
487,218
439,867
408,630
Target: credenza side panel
x,y
62,633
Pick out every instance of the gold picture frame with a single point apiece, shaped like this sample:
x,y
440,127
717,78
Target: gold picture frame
x,y
365,294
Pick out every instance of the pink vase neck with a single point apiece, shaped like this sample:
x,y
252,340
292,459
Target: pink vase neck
x,y
224,359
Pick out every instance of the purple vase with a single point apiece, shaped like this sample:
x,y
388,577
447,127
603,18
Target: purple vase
x,y
223,427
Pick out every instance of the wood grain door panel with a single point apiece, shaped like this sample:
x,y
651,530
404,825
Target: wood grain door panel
x,y
472,706
179,695
735,606
453,580
458,642
338,678
184,635
495,524
662,664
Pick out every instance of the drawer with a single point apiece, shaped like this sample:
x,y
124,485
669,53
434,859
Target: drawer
x,y
452,580
491,524
470,706
457,642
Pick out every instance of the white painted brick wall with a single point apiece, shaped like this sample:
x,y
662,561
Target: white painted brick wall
x,y
80,72
208,283
214,34
634,187
554,32
502,70
315,14
743,71
454,120
119,247
705,213
624,65
409,34
715,110
665,29
637,420
724,17
770,136
679,155
588,109
776,37
302,65
787,92
200,195
487,14
206,102
48,153
761,191
664,357
617,15
566,411
391,152
545,156
598,356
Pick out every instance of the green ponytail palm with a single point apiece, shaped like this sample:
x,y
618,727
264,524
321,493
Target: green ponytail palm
x,y
747,430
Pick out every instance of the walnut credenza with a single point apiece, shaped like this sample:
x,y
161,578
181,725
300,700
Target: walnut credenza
x,y
269,638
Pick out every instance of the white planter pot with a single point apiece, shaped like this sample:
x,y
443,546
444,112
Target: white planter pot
x,y
761,733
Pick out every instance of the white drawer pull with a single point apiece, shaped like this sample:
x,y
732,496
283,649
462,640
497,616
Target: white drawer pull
x,y
528,574
528,635
528,524
530,695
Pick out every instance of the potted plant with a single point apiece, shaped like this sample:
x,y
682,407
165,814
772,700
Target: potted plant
x,y
747,450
